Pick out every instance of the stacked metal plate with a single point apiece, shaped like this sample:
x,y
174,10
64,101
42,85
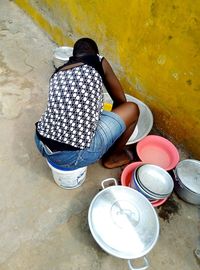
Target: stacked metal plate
x,y
153,181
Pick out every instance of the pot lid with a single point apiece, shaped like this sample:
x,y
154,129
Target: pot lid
x,y
123,222
188,172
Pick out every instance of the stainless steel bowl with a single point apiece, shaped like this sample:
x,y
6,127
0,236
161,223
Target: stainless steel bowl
x,y
134,177
152,195
148,194
135,183
155,180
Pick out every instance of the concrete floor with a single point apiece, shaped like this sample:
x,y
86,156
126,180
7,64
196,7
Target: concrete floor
x,y
44,227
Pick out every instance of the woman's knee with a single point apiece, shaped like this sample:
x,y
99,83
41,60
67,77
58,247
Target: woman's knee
x,y
132,113
133,109
129,112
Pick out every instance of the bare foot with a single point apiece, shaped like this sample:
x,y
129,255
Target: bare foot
x,y
116,160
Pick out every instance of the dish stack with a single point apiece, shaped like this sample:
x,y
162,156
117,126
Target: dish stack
x,y
154,182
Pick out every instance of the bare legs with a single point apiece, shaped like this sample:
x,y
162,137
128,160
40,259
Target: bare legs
x,y
117,155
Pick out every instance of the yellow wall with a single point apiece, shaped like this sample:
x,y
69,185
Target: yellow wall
x,y
153,45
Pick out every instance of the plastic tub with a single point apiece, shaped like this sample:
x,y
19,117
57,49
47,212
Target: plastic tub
x,y
159,151
126,175
66,178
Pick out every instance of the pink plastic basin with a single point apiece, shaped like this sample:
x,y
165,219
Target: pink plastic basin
x,y
159,151
126,177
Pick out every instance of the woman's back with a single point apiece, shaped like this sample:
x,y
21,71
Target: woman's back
x,y
74,106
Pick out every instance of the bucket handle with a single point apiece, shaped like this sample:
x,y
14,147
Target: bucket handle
x,y
109,180
145,266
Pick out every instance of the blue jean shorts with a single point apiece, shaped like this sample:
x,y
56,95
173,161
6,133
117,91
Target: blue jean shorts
x,y
109,129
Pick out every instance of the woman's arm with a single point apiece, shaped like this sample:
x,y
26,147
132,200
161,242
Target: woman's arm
x,y
113,85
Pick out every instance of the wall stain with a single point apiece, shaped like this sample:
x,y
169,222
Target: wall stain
x,y
197,88
189,82
153,9
161,59
175,7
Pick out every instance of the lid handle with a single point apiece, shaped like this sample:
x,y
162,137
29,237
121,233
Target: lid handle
x,y
145,266
107,180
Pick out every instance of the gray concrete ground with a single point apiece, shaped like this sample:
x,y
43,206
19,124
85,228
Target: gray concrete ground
x,y
44,227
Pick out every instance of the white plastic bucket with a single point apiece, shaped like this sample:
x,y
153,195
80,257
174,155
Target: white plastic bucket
x,y
61,55
68,179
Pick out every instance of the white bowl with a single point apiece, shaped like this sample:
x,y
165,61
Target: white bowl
x,y
145,121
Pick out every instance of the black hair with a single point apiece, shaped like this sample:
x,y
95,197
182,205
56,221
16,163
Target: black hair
x,y
85,46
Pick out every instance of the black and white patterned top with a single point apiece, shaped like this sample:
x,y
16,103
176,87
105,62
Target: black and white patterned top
x,y
74,106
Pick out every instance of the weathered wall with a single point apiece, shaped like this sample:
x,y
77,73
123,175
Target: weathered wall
x,y
154,47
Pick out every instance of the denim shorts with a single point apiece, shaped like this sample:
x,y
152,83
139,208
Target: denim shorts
x,y
109,129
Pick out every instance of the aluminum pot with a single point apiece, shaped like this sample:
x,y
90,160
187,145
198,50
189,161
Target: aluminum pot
x,y
123,222
187,180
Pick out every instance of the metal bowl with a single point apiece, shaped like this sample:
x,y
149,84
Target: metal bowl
x,y
135,183
123,222
155,180
154,202
134,176
148,194
145,121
